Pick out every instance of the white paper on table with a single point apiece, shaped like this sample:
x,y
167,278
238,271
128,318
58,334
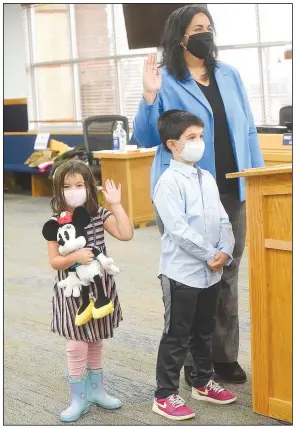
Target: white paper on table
x,y
41,141
148,149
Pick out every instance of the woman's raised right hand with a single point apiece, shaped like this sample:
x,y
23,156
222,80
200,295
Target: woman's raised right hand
x,y
151,79
85,256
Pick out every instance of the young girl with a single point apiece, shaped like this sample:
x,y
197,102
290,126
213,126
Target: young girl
x,y
73,186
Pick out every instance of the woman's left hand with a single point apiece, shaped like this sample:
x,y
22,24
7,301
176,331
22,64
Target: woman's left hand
x,y
112,194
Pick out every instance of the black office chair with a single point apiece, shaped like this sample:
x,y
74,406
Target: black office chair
x,y
98,135
286,117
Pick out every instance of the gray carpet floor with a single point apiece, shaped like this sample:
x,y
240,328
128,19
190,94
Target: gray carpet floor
x,y
34,361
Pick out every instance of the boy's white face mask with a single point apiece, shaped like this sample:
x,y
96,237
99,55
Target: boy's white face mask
x,y
193,151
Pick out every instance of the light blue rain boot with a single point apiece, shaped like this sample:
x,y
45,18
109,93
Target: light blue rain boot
x,y
96,393
79,404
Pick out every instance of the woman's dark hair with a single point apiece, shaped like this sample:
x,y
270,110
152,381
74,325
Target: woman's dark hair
x,y
173,123
173,52
58,203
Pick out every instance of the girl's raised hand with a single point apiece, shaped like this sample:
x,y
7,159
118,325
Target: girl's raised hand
x,y
111,193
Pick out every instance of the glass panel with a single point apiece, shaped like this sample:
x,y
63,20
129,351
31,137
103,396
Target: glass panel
x,y
55,93
51,33
131,70
277,82
235,23
275,22
246,62
94,32
98,88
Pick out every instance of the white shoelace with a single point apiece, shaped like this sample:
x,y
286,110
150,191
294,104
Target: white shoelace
x,y
212,385
176,401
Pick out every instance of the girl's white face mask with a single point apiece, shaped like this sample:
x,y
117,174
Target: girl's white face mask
x,y
75,197
193,151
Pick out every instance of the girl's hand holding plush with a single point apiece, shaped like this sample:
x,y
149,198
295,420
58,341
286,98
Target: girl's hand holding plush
x,y
84,256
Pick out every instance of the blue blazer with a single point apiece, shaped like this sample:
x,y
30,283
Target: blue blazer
x,y
186,95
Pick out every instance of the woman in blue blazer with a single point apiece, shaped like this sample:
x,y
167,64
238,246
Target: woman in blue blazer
x,y
191,78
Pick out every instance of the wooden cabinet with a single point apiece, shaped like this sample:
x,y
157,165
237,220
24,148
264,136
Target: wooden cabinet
x,y
269,223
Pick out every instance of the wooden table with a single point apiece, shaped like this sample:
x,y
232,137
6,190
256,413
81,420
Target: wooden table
x,y
269,223
132,170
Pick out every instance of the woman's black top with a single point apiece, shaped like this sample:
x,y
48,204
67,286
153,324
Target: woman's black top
x,y
224,156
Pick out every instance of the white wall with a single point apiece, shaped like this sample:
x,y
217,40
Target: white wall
x,y
15,80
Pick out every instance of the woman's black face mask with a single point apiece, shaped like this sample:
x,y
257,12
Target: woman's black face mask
x,y
200,44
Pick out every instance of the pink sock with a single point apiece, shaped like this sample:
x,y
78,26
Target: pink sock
x,y
94,356
76,357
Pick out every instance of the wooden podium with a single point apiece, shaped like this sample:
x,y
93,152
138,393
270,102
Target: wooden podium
x,y
269,224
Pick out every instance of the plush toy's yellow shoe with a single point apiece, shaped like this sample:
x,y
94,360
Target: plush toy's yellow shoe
x,y
84,315
98,313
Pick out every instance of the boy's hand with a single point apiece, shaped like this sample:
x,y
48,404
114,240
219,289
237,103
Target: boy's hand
x,y
219,261
112,194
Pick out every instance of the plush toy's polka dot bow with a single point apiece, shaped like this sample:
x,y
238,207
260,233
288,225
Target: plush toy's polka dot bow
x,y
65,217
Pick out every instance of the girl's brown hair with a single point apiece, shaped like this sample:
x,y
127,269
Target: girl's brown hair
x,y
58,203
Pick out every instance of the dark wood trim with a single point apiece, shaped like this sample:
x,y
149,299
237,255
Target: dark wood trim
x,y
288,55
14,101
26,5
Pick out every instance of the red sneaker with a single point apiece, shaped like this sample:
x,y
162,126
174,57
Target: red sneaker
x,y
213,392
172,408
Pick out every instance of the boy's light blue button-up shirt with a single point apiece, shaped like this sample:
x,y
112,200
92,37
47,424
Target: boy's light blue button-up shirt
x,y
196,226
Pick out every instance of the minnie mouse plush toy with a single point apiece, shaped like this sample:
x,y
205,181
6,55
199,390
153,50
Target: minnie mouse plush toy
x,y
69,231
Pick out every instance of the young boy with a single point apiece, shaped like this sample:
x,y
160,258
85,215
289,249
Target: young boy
x,y
196,244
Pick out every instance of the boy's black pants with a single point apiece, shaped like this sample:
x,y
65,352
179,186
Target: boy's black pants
x,y
190,316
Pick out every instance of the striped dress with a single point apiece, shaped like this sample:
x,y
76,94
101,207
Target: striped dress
x,y
64,309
